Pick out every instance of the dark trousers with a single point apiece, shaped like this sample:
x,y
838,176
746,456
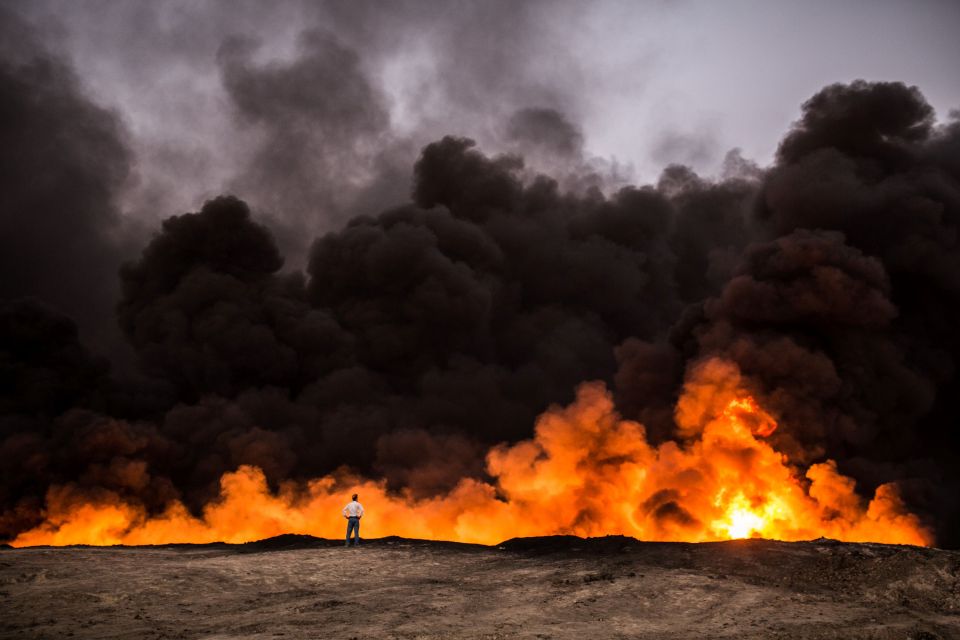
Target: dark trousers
x,y
353,526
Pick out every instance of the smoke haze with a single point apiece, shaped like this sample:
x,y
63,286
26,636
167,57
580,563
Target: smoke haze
x,y
375,240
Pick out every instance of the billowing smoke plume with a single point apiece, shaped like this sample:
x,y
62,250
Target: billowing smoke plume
x,y
63,159
325,147
423,334
842,310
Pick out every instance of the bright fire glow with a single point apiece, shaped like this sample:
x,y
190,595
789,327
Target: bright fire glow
x,y
585,472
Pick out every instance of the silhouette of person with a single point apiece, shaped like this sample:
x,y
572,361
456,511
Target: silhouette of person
x,y
353,512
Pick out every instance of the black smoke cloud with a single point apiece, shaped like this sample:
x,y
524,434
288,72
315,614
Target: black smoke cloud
x,y
422,334
64,158
325,146
548,129
312,112
843,311
206,310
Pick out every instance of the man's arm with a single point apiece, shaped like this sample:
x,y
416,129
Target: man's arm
x,y
360,512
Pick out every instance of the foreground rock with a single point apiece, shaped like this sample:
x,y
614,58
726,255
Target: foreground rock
x,y
559,587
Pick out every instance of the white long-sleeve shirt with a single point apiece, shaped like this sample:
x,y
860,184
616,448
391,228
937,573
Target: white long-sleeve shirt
x,y
353,510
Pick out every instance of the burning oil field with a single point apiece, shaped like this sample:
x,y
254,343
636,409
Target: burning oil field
x,y
406,272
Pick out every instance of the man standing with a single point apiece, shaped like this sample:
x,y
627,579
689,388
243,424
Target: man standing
x,y
353,512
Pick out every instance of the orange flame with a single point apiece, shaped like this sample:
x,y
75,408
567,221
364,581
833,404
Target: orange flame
x,y
586,472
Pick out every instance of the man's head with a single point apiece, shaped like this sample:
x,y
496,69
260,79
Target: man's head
x,y
355,496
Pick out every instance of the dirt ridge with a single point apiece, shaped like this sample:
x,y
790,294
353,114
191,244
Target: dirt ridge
x,y
558,588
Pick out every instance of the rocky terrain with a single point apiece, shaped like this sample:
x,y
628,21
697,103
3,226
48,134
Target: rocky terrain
x,y
537,588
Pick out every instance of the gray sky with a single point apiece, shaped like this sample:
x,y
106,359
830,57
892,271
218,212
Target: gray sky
x,y
734,73
648,83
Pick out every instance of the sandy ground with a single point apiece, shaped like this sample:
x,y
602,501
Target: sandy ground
x,y
297,587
